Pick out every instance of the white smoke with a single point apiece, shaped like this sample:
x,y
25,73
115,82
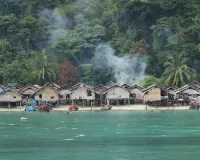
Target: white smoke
x,y
127,69
61,25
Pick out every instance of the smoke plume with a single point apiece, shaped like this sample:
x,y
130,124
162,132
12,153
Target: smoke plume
x,y
127,69
60,25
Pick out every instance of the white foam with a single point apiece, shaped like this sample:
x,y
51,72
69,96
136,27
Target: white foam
x,y
69,139
74,128
81,135
11,124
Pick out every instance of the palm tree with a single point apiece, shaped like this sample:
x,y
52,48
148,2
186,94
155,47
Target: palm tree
x,y
43,69
177,71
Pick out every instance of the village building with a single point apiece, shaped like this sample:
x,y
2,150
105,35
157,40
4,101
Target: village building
x,y
155,95
185,93
65,90
47,93
136,95
10,97
28,91
82,94
116,95
99,96
110,84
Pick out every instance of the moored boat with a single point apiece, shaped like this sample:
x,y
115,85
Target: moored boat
x,y
32,106
44,108
73,108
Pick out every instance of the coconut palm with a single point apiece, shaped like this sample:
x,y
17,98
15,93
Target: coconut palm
x,y
177,71
43,69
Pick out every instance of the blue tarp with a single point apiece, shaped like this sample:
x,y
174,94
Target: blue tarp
x,y
5,90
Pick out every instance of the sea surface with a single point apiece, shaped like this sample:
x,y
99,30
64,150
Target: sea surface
x,y
124,135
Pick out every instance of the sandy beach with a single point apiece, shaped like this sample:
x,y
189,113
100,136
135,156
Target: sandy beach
x,y
114,108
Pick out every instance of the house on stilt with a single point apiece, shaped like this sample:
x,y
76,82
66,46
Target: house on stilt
x,y
10,98
47,93
82,95
117,95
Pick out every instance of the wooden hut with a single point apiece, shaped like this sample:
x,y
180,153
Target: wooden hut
x,y
136,95
10,97
28,91
99,96
47,93
155,94
116,95
82,94
185,93
65,90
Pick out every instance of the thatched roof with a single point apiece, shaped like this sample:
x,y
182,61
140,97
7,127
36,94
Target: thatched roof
x,y
100,88
48,85
110,84
186,87
55,85
27,87
79,85
126,86
153,86
12,90
191,92
197,84
66,86
13,86
37,86
115,86
137,86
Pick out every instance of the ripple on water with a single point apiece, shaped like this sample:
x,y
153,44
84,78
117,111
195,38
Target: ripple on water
x,y
81,135
11,124
74,128
68,139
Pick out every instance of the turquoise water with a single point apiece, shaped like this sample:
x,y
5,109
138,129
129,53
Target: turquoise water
x,y
135,135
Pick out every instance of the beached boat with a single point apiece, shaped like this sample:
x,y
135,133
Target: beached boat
x,y
44,108
31,109
73,108
32,106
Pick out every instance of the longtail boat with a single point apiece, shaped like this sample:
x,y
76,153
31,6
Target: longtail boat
x,y
44,108
73,108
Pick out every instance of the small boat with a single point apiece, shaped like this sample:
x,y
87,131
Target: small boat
x,y
44,108
73,108
31,109
31,106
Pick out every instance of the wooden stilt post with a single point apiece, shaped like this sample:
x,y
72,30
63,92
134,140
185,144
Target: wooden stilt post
x,y
9,105
20,104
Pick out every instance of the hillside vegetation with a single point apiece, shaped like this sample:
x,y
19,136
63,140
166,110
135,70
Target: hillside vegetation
x,y
66,41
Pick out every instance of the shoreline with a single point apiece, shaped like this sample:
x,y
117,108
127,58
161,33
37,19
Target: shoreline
x,y
114,108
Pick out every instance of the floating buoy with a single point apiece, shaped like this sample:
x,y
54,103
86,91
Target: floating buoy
x,y
23,118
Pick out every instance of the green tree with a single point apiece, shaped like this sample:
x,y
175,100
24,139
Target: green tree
x,y
43,69
177,71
